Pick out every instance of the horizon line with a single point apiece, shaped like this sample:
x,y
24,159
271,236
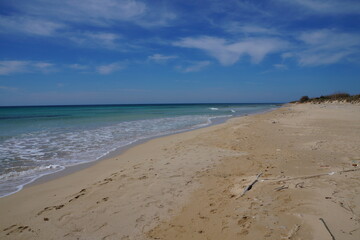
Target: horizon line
x,y
138,104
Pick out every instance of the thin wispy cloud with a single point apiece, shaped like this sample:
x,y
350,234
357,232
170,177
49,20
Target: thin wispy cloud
x,y
43,65
330,39
327,6
249,29
313,58
87,23
95,13
228,53
195,66
6,88
280,66
86,11
29,25
159,58
8,67
326,46
77,66
95,39
110,68
18,66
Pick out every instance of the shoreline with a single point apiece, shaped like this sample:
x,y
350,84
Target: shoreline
x,y
188,185
68,170
120,150
62,187
56,171
113,154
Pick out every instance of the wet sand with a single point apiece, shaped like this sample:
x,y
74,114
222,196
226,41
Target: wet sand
x,y
191,185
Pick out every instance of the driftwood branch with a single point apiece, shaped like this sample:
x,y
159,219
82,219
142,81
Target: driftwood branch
x,y
249,187
327,228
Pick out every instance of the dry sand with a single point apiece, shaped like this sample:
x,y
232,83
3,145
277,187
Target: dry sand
x,y
190,185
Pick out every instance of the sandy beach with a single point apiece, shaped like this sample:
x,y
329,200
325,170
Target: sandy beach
x,y
191,185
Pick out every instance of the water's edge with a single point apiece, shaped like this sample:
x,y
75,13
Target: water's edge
x,y
75,168
78,167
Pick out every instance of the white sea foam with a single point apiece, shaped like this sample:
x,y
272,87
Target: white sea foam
x,y
15,174
44,152
26,156
14,181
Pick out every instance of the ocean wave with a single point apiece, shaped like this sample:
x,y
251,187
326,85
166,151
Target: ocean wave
x,y
29,172
45,152
14,181
26,155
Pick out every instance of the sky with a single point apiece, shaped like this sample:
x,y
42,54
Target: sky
x,y
176,51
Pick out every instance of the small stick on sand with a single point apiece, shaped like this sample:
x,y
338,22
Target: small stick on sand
x,y
327,228
281,188
249,187
311,176
292,232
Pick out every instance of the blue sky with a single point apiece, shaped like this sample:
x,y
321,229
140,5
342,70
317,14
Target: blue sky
x,y
127,51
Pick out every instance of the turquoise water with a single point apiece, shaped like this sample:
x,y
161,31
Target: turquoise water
x,y
35,141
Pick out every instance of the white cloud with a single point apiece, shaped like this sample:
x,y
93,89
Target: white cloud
x,y
43,27
250,29
95,39
156,18
314,58
326,46
287,55
16,66
194,66
89,11
330,39
8,67
78,66
161,58
8,88
328,6
229,53
29,25
110,68
280,66
102,13
43,65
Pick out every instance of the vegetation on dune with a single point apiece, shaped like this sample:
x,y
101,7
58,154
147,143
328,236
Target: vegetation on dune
x,y
336,97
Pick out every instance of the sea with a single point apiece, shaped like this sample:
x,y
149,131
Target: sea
x,y
41,140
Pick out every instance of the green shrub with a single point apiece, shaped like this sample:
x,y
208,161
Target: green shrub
x,y
331,98
304,99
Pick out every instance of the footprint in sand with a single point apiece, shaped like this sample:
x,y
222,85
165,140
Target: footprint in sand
x,y
103,200
14,229
79,194
50,208
105,181
245,223
64,217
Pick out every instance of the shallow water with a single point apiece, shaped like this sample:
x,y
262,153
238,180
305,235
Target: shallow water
x,y
35,141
